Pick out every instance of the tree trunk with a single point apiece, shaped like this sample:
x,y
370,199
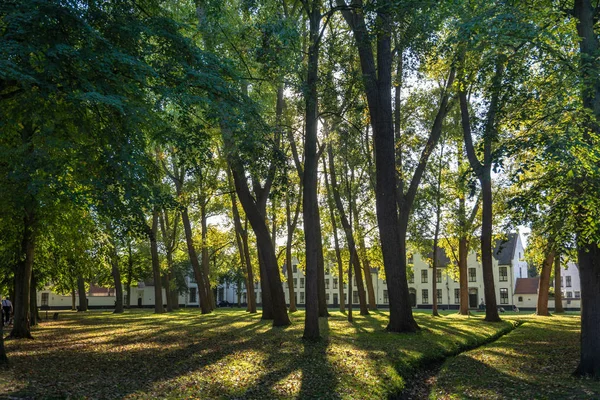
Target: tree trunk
x,y
242,242
491,308
377,82
116,274
198,273
589,273
129,273
3,357
265,288
205,260
558,306
169,238
73,300
291,226
350,299
33,312
152,234
589,253
544,284
349,235
483,172
21,327
362,251
312,228
263,238
336,242
463,275
81,293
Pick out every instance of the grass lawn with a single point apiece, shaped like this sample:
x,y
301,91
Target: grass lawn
x,y
534,361
227,354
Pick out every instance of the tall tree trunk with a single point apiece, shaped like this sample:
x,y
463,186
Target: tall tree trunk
x,y
73,299
558,306
483,172
589,273
263,241
349,235
265,288
377,81
242,242
205,260
152,234
350,294
21,328
291,226
491,307
362,252
169,235
198,273
436,235
116,274
544,284
312,227
589,253
463,275
3,357
33,312
336,242
81,293
166,279
129,273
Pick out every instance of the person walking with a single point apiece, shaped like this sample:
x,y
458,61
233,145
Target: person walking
x,y
7,308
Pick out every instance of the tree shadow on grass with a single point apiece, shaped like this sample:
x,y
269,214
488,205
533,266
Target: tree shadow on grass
x,y
117,366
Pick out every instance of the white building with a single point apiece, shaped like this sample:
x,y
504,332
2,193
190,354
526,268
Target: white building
x,y
508,267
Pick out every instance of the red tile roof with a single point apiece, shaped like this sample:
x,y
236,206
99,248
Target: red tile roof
x,y
527,285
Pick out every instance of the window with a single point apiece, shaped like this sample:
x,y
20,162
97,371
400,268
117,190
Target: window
x,y
355,297
327,271
327,298
45,297
301,297
327,283
301,283
438,275
503,274
386,300
411,259
472,275
439,296
335,283
520,299
456,296
562,279
193,295
294,268
411,277
424,276
221,294
504,296
569,295
577,295
296,282
425,295
567,281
